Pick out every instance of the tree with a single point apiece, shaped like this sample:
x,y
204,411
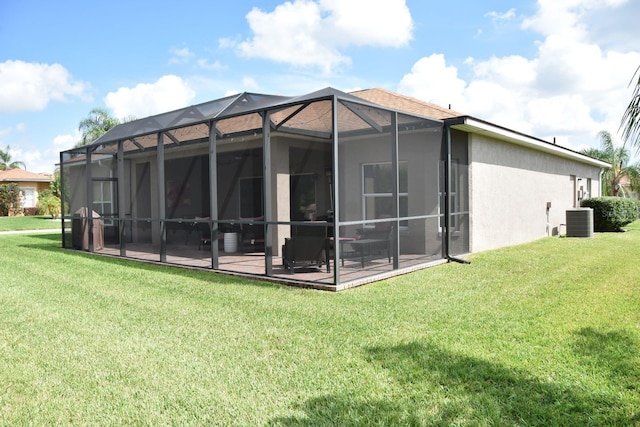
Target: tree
x,y
630,123
9,199
6,163
95,125
55,183
618,158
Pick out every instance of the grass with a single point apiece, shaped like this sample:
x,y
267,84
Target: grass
x,y
19,223
546,333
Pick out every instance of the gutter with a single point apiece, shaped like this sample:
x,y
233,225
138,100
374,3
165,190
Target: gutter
x,y
447,191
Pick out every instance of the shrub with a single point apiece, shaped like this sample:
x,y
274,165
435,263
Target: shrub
x,y
49,205
611,213
9,199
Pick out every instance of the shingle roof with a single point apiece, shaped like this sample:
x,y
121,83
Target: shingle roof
x,y
405,103
20,175
239,110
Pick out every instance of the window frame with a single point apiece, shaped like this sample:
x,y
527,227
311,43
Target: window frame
x,y
374,195
104,183
34,199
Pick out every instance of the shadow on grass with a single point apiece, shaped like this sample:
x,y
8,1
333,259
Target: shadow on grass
x,y
436,387
53,243
615,353
52,237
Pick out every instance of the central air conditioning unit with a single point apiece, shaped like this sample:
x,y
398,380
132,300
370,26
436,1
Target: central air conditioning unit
x,y
580,222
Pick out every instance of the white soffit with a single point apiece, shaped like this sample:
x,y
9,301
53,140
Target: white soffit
x,y
472,125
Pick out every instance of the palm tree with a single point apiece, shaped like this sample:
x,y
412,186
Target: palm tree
x,y
95,125
6,163
630,123
618,158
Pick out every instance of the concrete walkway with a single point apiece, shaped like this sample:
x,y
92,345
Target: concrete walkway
x,y
50,230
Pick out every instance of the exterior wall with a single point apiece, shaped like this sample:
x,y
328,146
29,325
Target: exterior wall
x,y
421,151
37,187
510,187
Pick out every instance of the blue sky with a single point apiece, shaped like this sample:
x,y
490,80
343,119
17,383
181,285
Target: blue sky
x,y
550,68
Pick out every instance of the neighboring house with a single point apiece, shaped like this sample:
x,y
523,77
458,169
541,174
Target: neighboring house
x,y
31,184
627,189
387,183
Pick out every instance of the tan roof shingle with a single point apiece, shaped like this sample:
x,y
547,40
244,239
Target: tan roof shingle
x,y
17,175
405,103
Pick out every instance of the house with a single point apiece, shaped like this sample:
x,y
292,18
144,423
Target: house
x,y
626,189
31,184
327,190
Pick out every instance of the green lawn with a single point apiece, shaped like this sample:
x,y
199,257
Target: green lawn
x,y
546,333
11,223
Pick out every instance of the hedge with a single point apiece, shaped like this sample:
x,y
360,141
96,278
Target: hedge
x,y
611,213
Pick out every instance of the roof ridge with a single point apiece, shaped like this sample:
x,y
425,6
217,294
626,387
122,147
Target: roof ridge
x,y
17,174
417,100
405,103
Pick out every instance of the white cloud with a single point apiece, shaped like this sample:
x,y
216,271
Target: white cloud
x,y
180,55
19,127
66,141
205,64
570,90
250,83
432,80
311,33
167,93
497,16
30,86
385,23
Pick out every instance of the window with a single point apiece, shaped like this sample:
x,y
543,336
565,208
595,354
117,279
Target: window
x,y
302,188
28,197
251,197
103,200
377,190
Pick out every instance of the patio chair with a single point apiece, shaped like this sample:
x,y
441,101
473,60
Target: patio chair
x,y
309,248
205,231
252,235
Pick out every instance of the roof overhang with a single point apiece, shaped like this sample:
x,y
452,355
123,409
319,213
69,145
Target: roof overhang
x,y
472,125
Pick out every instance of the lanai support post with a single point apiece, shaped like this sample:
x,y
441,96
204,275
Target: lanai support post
x,y
62,197
89,199
395,237
268,214
213,195
336,192
161,198
122,225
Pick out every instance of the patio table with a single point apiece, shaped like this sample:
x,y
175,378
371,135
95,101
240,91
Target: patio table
x,y
361,244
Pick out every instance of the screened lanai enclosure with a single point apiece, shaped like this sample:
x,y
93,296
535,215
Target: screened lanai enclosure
x,y
324,190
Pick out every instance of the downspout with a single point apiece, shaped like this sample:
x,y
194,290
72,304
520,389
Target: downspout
x,y
600,179
447,198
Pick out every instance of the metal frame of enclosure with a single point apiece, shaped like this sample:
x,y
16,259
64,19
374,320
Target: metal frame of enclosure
x,y
250,184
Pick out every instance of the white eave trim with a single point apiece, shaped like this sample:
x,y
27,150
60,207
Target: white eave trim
x,y
471,125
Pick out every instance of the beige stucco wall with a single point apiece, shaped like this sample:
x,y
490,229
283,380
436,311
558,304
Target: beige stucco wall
x,y
510,186
37,187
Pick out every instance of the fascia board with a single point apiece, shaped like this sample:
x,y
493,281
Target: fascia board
x,y
471,125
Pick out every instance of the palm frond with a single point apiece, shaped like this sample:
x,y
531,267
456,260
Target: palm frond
x,y
630,123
